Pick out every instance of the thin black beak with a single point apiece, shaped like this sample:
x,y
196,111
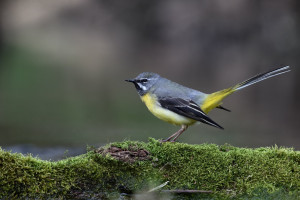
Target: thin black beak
x,y
130,80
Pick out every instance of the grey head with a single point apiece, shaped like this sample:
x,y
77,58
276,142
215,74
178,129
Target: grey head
x,y
144,82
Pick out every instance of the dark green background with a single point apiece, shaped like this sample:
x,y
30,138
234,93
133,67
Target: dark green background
x,y
63,66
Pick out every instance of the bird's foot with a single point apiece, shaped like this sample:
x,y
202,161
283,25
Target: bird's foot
x,y
166,140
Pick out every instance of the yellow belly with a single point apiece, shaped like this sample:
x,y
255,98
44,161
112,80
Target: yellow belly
x,y
164,114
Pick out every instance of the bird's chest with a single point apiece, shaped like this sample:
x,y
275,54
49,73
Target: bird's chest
x,y
150,101
162,113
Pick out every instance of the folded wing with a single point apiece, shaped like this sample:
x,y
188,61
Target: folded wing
x,y
187,108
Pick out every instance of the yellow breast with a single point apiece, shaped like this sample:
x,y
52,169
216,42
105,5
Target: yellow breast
x,y
164,114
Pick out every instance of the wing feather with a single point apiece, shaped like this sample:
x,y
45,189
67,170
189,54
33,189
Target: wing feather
x,y
187,108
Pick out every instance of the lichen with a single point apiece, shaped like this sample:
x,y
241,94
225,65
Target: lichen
x,y
227,171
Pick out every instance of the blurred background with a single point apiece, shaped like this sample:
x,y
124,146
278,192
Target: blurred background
x,y
63,66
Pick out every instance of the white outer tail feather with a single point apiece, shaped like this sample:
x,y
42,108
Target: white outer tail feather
x,y
261,77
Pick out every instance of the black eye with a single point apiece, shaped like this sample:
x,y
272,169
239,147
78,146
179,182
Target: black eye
x,y
144,80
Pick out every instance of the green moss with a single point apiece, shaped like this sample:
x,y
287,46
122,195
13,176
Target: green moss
x,y
228,171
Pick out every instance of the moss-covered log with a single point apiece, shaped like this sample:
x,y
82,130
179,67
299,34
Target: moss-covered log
x,y
128,167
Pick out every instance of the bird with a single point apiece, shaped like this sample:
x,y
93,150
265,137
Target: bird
x,y
180,105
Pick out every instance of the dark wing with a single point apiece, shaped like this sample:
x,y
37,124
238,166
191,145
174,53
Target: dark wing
x,y
187,108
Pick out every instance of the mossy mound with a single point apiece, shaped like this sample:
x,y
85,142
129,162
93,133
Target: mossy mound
x,y
125,168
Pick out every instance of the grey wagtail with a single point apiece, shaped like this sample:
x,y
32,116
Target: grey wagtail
x,y
180,105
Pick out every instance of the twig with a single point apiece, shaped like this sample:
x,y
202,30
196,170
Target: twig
x,y
177,191
158,187
187,191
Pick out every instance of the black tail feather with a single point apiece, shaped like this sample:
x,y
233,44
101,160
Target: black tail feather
x,y
221,107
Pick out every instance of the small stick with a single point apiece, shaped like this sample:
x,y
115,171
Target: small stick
x,y
187,191
158,187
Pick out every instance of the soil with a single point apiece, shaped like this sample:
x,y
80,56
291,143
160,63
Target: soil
x,y
130,155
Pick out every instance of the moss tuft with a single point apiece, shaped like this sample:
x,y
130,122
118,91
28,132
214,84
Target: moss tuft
x,y
228,171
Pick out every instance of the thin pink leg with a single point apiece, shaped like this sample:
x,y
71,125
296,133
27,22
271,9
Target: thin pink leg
x,y
176,135
183,128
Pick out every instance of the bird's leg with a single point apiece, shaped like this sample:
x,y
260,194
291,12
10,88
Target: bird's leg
x,y
176,134
181,130
169,138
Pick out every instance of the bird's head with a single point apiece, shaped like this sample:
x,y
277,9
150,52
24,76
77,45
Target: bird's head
x,y
144,82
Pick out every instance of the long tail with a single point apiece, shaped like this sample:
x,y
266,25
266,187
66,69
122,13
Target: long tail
x,y
261,77
214,100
